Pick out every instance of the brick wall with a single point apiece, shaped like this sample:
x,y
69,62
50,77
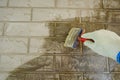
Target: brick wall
x,y
32,34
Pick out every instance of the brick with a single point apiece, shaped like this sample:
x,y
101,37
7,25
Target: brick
x,y
15,60
50,45
17,76
114,66
13,45
93,15
31,3
114,16
1,28
111,4
27,29
80,63
3,3
62,29
3,76
88,51
14,14
37,63
53,14
79,3
96,76
70,76
116,76
90,27
114,28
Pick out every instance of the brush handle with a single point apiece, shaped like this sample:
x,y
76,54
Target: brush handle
x,y
84,39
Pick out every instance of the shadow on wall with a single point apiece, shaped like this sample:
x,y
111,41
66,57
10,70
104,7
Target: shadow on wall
x,y
58,60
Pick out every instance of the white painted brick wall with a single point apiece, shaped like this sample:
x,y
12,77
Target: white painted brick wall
x,y
31,3
1,28
27,29
18,29
13,45
53,14
15,14
3,3
79,3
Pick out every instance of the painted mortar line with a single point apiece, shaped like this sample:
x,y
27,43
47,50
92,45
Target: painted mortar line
x,y
106,26
82,76
16,7
7,3
65,54
66,72
27,7
119,3
55,3
54,63
10,54
116,23
36,21
54,29
57,8
17,36
81,49
102,4
31,14
0,58
117,72
106,9
46,54
4,28
95,72
69,8
108,65
7,54
28,45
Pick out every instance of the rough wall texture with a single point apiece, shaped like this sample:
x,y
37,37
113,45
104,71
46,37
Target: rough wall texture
x,y
32,34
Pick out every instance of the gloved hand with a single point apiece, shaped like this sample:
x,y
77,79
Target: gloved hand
x,y
107,43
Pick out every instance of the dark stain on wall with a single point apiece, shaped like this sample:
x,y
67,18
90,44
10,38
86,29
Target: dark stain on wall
x,y
59,62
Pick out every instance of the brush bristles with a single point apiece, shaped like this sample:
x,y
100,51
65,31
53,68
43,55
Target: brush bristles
x,y
72,37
